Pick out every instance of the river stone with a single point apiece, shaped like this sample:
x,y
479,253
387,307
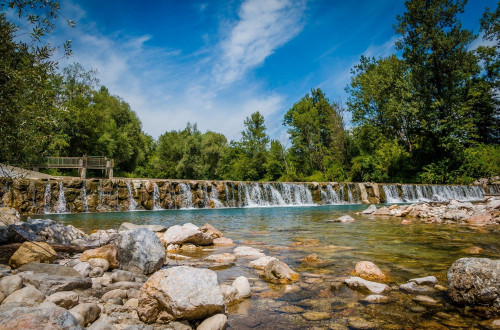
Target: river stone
x,y
27,297
211,231
384,210
130,226
455,215
117,293
247,252
427,280
108,252
9,284
8,216
316,316
368,270
187,233
359,283
180,293
54,233
425,300
376,299
50,284
225,257
413,287
99,262
32,252
96,272
222,241
64,299
122,276
344,218
216,322
38,318
370,209
279,273
243,287
124,285
140,251
262,262
475,281
86,313
229,292
83,268
49,269
101,325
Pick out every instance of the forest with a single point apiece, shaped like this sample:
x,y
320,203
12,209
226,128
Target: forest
x,y
427,114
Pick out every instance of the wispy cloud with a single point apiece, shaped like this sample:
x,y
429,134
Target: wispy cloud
x,y
263,26
383,50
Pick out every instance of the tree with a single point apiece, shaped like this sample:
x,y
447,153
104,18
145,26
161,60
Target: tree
x,y
254,143
276,161
213,149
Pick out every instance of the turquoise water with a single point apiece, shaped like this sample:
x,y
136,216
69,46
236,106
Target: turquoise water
x,y
290,233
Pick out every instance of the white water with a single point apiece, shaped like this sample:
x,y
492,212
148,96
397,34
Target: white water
x,y
411,193
132,204
84,196
185,197
156,197
61,201
214,198
47,197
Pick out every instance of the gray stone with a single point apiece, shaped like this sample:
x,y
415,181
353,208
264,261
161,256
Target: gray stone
x,y
140,251
427,280
122,276
17,233
124,286
100,325
86,313
262,262
372,208
98,262
27,297
376,299
38,318
413,287
187,233
248,252
229,292
51,232
49,269
279,273
344,218
64,299
96,272
130,226
117,293
180,293
50,284
359,283
216,322
83,268
242,285
10,284
475,281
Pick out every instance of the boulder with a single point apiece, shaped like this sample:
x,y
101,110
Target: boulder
x,y
359,283
279,273
26,297
38,318
49,284
262,262
32,252
49,269
242,285
98,262
211,231
180,293
130,226
368,270
225,257
9,284
96,272
247,252
108,252
216,322
117,293
187,233
83,268
86,313
122,276
8,216
475,281
222,241
370,209
54,233
64,299
140,251
384,210
229,292
17,234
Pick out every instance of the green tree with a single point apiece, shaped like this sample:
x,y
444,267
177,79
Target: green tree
x,y
254,143
213,150
276,161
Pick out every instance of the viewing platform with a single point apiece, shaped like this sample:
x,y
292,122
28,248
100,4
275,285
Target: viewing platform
x,y
82,164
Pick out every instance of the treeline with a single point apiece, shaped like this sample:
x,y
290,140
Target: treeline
x,y
429,113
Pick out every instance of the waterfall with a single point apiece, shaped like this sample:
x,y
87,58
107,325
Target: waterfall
x,y
226,191
84,196
349,194
156,197
239,194
329,196
61,201
494,189
100,193
186,198
391,194
47,197
214,198
411,193
172,198
132,204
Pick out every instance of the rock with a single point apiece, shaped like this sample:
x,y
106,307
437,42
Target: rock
x,y
372,208
412,287
344,218
242,285
359,283
140,251
108,252
473,250
32,252
50,284
8,216
216,322
64,299
117,293
247,252
425,300
86,313
96,272
102,237
493,204
99,262
122,276
132,303
9,284
83,269
316,316
222,241
475,281
162,299
47,304
27,297
38,318
262,262
100,325
130,226
291,309
480,220
376,299
368,270
312,258
427,280
455,215
382,211
211,231
18,233
124,286
361,324
187,233
225,257
406,222
336,286
229,292
54,233
49,269
279,273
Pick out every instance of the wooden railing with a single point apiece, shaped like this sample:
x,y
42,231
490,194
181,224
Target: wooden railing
x,y
82,164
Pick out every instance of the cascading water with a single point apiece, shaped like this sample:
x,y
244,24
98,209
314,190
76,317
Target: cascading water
x,y
330,197
214,198
61,201
156,197
132,204
186,197
391,194
84,196
47,197
411,193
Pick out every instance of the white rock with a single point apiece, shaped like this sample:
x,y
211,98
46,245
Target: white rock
x,y
216,322
83,268
9,284
187,233
358,282
372,208
242,285
424,280
27,297
262,262
98,262
229,292
247,252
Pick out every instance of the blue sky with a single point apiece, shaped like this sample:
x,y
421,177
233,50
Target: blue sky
x,y
216,62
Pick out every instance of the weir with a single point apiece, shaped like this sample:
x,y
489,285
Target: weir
x,y
45,196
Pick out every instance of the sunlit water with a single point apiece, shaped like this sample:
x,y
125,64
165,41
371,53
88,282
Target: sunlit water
x,y
290,233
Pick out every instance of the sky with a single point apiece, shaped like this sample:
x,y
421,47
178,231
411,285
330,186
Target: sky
x,y
214,63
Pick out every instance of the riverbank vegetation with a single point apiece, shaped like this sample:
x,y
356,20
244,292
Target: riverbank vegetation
x,y
429,113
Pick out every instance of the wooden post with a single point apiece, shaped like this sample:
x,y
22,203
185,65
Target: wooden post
x,y
109,169
82,169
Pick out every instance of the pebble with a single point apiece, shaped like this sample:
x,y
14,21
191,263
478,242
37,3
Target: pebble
x,y
316,316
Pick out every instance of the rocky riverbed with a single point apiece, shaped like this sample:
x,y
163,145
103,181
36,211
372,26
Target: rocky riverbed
x,y
159,277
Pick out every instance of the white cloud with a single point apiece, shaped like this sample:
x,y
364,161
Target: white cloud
x,y
383,50
264,26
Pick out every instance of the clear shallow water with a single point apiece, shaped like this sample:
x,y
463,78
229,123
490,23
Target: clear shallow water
x,y
290,233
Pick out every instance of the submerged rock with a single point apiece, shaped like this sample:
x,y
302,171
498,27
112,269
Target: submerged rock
x,y
262,262
376,299
344,218
225,257
368,270
359,283
427,280
370,209
475,281
248,252
413,287
140,251
279,273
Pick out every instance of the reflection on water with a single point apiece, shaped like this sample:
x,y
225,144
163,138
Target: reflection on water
x,y
290,233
